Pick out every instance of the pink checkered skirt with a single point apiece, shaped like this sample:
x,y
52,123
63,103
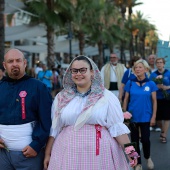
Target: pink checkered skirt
x,y
76,150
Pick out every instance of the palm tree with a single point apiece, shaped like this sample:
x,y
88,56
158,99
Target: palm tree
x,y
151,41
84,11
130,4
123,5
143,26
108,29
54,14
2,35
114,25
101,26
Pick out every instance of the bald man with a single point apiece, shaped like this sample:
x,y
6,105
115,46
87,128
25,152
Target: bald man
x,y
25,119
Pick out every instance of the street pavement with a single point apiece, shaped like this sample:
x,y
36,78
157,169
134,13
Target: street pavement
x,y
160,152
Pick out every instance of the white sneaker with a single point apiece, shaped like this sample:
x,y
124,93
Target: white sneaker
x,y
157,129
150,164
138,167
151,128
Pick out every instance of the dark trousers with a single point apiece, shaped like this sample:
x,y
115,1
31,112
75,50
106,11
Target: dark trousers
x,y
113,86
145,138
15,160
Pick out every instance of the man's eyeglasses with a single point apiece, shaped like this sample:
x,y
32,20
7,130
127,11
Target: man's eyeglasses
x,y
81,70
159,62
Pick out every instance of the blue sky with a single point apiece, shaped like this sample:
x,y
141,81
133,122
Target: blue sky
x,y
158,13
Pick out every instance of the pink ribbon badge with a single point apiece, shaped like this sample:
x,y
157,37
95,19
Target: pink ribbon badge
x,y
23,94
98,136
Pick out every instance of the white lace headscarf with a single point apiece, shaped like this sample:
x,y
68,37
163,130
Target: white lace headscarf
x,y
68,93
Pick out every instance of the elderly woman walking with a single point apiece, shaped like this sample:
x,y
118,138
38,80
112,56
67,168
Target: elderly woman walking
x,y
140,100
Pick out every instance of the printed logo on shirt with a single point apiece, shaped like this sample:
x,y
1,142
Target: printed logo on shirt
x,y
146,88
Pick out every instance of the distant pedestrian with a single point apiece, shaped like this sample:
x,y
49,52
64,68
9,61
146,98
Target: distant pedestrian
x,y
46,77
151,61
162,78
55,82
112,74
38,68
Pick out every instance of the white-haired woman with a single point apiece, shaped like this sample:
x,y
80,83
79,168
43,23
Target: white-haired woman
x,y
140,99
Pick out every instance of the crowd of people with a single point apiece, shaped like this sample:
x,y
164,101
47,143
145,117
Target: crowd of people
x,y
51,77
145,93
81,125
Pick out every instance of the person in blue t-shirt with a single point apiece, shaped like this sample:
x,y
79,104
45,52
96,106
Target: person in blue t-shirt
x,y
46,77
151,61
141,94
163,97
128,75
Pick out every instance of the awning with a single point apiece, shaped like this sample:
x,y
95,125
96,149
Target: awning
x,y
37,33
33,48
23,32
11,6
43,49
62,45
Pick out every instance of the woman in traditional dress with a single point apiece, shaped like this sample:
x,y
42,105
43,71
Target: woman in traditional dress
x,y
87,130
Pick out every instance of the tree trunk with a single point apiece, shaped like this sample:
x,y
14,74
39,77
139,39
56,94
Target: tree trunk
x,y
131,48
50,39
136,45
2,34
143,45
50,46
100,48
